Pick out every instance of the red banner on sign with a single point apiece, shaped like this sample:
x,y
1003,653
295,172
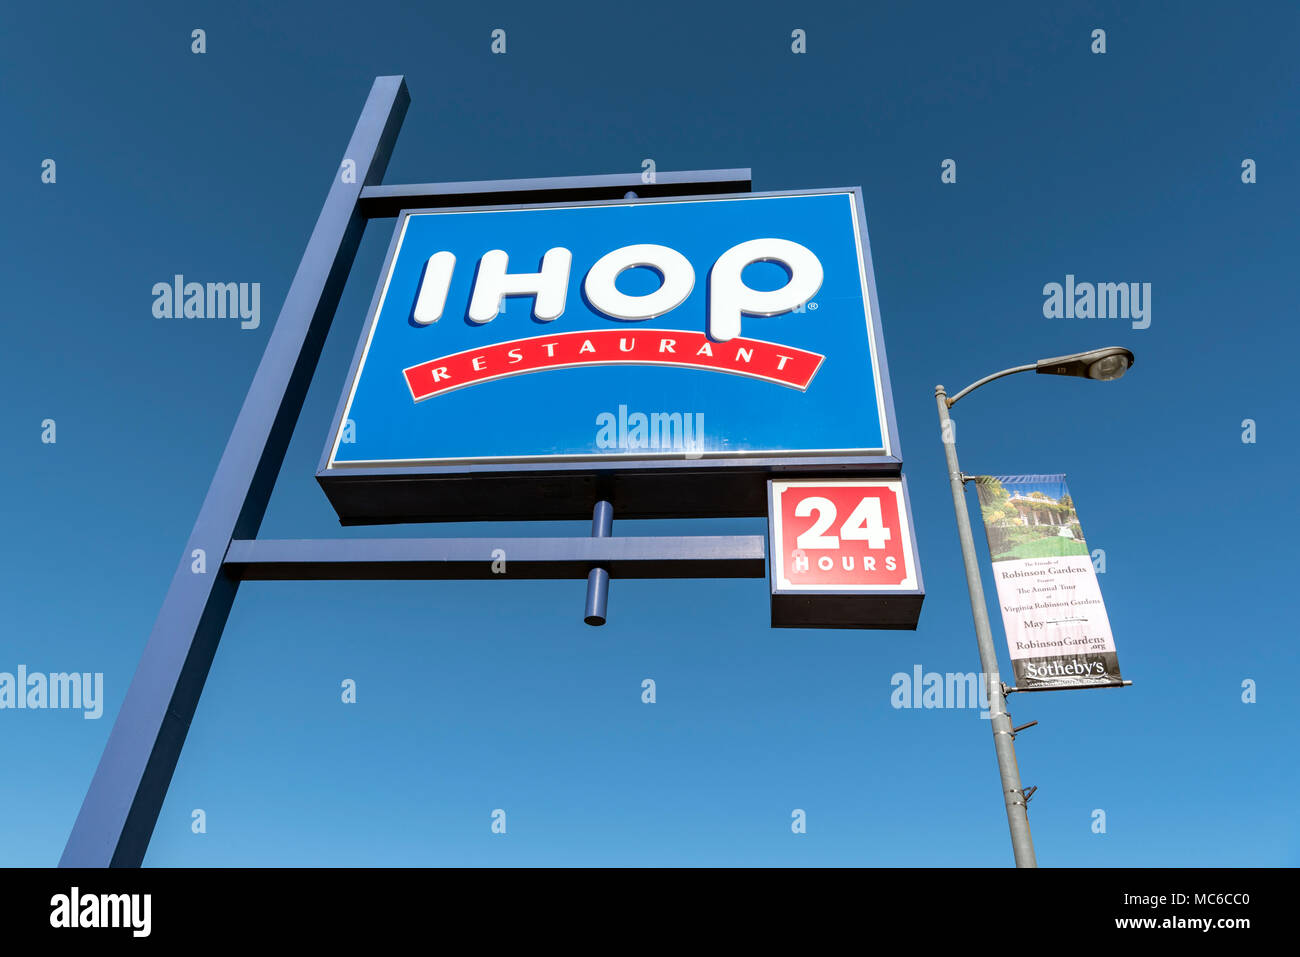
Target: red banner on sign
x,y
770,361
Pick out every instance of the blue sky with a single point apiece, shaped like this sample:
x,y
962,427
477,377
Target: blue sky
x,y
475,696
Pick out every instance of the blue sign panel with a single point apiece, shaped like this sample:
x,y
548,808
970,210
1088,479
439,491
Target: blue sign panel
x,y
651,337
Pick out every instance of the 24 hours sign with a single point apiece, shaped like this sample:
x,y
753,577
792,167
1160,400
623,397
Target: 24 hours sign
x,y
843,554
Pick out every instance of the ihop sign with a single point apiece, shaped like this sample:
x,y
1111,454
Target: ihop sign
x,y
670,355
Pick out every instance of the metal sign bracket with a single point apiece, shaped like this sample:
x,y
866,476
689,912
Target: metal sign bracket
x,y
121,807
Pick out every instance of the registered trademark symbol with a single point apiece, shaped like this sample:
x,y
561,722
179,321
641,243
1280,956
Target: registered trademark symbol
x,y
812,305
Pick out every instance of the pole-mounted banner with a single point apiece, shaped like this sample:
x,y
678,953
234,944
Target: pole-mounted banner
x,y
1057,630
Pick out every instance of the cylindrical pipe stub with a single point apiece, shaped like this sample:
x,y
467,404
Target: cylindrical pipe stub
x,y
597,596
602,519
602,523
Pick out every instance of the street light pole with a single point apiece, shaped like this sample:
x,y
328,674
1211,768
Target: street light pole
x,y
1104,365
1012,793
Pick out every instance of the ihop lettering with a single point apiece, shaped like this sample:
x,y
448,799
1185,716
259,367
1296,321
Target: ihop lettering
x,y
719,347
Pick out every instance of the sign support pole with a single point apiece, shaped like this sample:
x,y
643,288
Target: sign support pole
x,y
121,807
1013,794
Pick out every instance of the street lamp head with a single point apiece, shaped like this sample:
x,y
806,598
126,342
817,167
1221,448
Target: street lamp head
x,y
1102,364
1110,367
